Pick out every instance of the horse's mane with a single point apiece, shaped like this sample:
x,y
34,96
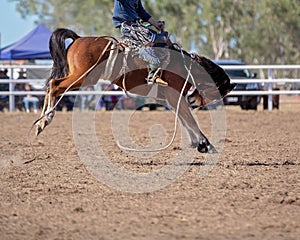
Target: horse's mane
x,y
218,75
209,65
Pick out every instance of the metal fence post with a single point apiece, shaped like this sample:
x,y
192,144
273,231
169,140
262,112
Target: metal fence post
x,y
11,96
270,88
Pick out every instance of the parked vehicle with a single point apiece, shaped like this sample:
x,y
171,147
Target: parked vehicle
x,y
245,101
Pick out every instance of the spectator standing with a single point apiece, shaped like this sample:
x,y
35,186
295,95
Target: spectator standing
x,y
3,87
20,87
3,75
109,100
30,99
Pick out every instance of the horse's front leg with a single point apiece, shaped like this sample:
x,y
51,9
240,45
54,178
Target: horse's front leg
x,y
198,139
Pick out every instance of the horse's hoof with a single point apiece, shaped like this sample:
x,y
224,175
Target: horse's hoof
x,y
205,147
44,122
211,149
38,130
40,126
202,148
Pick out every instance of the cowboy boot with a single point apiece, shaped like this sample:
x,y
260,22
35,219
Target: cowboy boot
x,y
153,77
158,80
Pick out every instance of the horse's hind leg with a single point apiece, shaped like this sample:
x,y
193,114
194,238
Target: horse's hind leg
x,y
47,111
56,88
198,139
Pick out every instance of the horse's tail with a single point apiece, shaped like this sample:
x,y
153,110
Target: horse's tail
x,y
58,51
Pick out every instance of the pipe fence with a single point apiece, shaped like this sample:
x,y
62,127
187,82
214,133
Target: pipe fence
x,y
267,82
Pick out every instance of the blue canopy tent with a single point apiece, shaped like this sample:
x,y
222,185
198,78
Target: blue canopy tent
x,y
35,45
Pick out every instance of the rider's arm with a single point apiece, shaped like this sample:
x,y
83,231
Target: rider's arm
x,y
143,14
146,17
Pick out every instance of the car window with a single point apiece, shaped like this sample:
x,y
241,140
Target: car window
x,y
244,73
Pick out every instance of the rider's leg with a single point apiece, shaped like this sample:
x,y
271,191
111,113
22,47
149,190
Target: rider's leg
x,y
153,62
142,41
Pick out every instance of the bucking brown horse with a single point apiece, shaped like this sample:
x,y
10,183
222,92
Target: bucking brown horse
x,y
88,59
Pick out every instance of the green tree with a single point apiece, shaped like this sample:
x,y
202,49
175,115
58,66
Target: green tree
x,y
275,34
88,17
257,31
181,18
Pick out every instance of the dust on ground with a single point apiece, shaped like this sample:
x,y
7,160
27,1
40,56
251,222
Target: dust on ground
x,y
253,191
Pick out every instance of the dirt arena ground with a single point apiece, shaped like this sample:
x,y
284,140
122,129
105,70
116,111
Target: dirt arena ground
x,y
253,192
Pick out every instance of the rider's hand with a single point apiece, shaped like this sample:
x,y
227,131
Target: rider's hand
x,y
158,24
161,25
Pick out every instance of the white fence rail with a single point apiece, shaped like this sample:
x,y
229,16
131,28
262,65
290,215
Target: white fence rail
x,y
268,82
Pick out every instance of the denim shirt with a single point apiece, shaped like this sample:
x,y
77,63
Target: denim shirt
x,y
129,10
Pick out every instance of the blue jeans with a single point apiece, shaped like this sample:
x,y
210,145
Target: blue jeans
x,y
139,37
28,100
